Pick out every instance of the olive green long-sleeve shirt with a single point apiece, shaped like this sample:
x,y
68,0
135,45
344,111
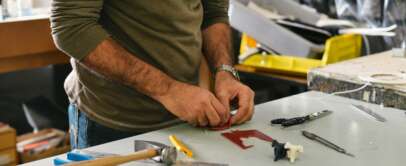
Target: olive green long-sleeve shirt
x,y
163,33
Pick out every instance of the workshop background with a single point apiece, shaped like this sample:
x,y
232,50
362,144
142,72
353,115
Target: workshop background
x,y
32,71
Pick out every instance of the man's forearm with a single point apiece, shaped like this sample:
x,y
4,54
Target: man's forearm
x,y
217,44
217,49
114,62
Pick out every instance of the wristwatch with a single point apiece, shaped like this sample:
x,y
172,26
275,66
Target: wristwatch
x,y
229,69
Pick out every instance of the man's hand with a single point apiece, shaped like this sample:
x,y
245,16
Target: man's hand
x,y
195,105
217,49
227,88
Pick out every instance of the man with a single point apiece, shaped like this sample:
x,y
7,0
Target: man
x,y
136,63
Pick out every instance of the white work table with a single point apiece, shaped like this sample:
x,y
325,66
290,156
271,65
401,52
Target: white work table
x,y
374,143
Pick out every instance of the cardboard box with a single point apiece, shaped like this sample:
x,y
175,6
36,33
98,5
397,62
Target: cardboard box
x,y
8,153
27,156
7,137
8,157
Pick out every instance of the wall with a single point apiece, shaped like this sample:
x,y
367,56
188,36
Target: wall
x,y
41,3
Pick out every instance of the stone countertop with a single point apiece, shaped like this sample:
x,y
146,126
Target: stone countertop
x,y
346,76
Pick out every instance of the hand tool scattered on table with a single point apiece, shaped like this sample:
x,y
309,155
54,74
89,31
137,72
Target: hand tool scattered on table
x,y
168,155
302,119
80,155
180,146
378,117
142,144
325,142
281,150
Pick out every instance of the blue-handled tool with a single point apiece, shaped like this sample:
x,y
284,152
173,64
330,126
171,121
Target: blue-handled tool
x,y
59,161
79,155
75,156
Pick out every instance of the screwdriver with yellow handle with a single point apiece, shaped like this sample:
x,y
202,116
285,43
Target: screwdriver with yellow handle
x,y
180,146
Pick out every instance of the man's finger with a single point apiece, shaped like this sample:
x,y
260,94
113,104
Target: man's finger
x,y
202,120
243,108
250,113
222,107
213,116
193,122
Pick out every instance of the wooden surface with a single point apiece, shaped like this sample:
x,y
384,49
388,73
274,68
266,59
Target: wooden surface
x,y
248,69
9,155
8,145
27,44
372,142
346,76
27,156
7,137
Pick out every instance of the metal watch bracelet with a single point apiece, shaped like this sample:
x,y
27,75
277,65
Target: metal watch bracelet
x,y
229,69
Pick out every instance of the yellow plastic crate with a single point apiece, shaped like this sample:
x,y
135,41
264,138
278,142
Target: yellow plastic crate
x,y
337,49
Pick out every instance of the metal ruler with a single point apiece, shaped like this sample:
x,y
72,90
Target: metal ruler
x,y
370,112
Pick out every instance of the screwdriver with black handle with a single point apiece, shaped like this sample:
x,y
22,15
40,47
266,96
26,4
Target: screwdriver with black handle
x,y
300,120
290,122
326,143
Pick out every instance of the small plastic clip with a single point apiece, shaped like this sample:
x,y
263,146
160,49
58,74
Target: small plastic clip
x,y
293,151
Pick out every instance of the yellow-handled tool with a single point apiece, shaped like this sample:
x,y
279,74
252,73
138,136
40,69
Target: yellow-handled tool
x,y
168,154
180,146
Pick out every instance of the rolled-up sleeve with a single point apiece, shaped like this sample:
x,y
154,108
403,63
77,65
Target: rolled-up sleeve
x,y
215,11
75,26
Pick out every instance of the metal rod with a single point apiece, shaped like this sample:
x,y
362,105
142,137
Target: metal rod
x,y
325,142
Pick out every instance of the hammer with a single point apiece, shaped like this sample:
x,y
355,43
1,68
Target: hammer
x,y
168,155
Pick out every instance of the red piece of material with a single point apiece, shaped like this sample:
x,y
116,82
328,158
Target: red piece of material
x,y
236,135
223,127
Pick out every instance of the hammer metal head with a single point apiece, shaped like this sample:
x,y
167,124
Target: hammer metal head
x,y
143,144
169,155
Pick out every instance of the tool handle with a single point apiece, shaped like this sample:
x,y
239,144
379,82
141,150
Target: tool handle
x,y
180,146
294,121
116,160
309,135
322,141
77,156
278,121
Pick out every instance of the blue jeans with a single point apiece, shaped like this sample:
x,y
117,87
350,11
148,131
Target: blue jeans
x,y
85,132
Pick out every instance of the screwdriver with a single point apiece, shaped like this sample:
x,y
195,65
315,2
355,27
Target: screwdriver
x,y
302,119
326,143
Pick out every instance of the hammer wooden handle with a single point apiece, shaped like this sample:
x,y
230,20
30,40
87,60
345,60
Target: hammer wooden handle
x,y
116,160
